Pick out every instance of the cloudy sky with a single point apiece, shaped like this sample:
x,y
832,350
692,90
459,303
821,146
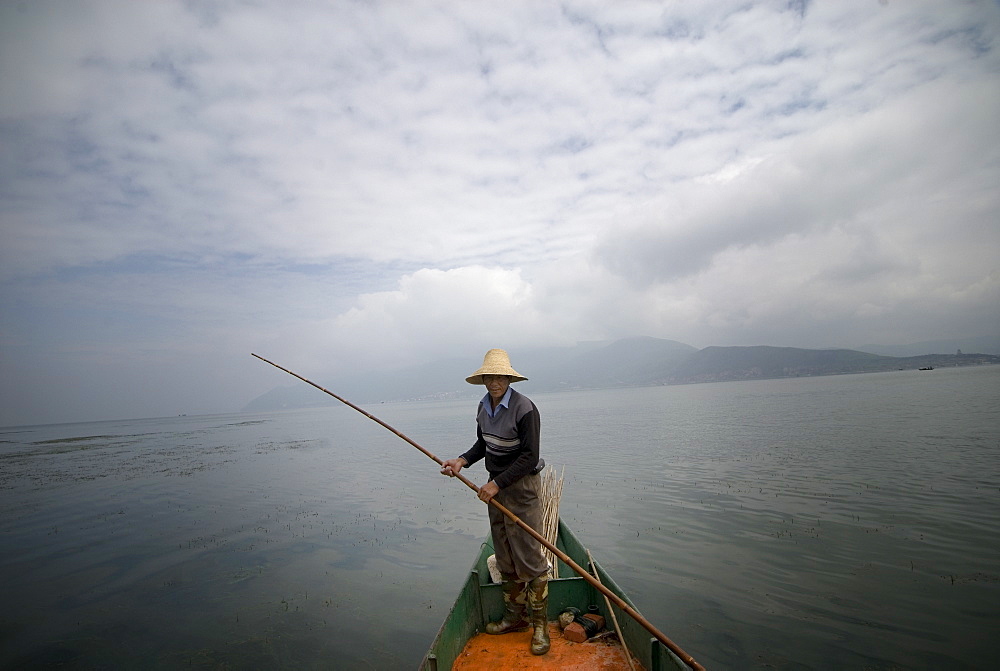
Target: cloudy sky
x,y
345,186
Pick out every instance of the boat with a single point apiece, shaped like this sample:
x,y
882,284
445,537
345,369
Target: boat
x,y
926,368
462,642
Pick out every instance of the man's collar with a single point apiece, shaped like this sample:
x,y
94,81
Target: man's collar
x,y
505,402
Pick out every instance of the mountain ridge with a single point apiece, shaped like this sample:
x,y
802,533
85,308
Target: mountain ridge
x,y
628,362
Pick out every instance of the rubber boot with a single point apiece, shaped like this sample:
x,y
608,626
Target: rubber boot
x,y
538,601
514,601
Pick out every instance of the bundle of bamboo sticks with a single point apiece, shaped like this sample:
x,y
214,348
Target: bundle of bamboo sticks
x,y
550,495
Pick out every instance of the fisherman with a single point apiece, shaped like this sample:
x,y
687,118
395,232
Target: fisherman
x,y
507,436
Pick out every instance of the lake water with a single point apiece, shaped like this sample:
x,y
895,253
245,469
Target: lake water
x,y
848,522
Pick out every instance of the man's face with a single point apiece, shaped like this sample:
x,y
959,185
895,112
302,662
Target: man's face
x,y
496,385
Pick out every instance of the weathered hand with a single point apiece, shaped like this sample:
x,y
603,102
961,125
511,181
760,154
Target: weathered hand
x,y
452,467
488,491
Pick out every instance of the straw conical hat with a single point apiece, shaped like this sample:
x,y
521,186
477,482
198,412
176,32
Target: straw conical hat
x,y
496,362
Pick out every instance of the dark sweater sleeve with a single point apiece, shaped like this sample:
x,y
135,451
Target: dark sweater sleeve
x,y
478,449
528,430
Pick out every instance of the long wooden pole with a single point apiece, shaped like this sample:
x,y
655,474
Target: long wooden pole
x,y
582,572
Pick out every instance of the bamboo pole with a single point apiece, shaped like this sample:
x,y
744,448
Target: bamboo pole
x,y
566,559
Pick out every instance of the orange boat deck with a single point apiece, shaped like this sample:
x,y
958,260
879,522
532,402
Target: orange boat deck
x,y
512,651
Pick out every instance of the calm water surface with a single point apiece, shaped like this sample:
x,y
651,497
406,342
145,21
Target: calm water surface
x,y
815,523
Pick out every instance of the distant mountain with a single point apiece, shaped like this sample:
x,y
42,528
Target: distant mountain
x,y
988,345
628,362
713,364
290,396
631,362
717,364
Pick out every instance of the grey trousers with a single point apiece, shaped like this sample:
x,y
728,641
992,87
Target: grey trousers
x,y
517,551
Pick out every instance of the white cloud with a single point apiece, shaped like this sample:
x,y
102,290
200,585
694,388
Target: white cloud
x,y
353,178
437,314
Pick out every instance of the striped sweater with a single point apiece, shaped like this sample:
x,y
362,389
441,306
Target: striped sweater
x,y
508,440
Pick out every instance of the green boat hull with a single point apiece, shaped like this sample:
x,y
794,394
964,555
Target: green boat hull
x,y
481,601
